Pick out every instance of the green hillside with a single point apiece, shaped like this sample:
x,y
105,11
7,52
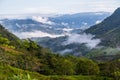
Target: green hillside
x,y
108,30
25,60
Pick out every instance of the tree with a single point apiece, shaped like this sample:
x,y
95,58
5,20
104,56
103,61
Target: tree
x,y
29,45
4,41
57,65
87,67
67,67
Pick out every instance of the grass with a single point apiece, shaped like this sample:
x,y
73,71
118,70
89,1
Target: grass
x,y
10,73
74,77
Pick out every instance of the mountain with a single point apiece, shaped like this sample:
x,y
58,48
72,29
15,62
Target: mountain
x,y
58,46
29,61
4,32
60,32
55,26
108,30
59,29
8,35
78,20
25,60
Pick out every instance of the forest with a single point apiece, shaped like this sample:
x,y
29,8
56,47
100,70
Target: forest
x,y
25,60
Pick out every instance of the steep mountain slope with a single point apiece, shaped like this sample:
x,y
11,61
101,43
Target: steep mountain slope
x,y
29,61
12,48
12,38
4,32
108,30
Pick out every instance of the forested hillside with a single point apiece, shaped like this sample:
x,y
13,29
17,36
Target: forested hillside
x,y
108,30
25,60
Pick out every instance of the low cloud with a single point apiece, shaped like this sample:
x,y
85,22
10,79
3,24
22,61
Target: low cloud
x,y
84,26
65,51
24,35
87,39
43,20
68,30
98,21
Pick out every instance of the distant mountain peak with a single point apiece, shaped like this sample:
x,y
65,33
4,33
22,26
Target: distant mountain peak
x,y
117,11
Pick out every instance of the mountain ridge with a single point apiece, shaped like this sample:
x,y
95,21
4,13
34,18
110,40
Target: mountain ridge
x,y
57,25
108,30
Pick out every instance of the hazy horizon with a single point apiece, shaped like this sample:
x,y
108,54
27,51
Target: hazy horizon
x,y
56,7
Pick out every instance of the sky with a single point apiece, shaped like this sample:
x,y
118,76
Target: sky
x,y
56,6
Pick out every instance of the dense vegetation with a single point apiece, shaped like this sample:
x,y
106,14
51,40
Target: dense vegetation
x,y
25,60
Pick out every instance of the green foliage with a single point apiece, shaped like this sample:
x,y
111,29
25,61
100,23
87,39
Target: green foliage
x,y
14,41
77,77
17,56
103,52
8,72
87,67
117,73
4,41
26,43
111,68
57,65
29,45
21,77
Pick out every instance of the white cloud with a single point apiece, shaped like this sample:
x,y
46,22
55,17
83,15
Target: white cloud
x,y
43,20
67,29
24,35
98,21
64,24
65,51
84,26
83,38
99,13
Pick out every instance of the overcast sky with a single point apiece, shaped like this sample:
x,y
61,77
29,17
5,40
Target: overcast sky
x,y
56,6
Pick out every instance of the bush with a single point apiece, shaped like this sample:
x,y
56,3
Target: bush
x,y
21,77
87,67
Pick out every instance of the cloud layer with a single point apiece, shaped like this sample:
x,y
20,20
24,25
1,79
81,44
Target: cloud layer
x,y
43,20
24,35
87,39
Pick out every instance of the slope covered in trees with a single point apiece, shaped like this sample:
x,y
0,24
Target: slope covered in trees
x,y
108,30
24,59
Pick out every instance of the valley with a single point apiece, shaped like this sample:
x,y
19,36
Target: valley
x,y
79,46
